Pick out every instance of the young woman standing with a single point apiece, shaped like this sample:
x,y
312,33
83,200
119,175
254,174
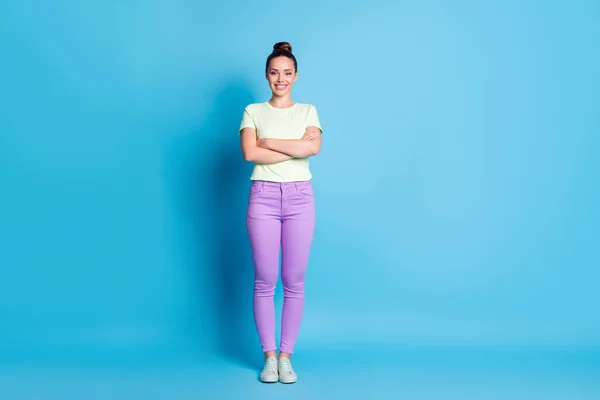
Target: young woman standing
x,y
279,136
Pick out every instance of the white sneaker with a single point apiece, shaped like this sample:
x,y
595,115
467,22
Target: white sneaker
x,y
269,372
286,372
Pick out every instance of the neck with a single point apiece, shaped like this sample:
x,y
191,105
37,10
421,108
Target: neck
x,y
281,102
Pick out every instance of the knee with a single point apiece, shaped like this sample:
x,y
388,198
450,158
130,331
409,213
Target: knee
x,y
265,284
293,282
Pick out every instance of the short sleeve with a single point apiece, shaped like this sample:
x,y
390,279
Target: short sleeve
x,y
313,118
247,121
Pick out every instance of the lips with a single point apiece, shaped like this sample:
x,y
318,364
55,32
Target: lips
x,y
280,87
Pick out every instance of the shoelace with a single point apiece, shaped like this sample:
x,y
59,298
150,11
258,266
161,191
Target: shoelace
x,y
286,365
271,366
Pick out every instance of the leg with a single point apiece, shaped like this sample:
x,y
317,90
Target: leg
x,y
264,231
265,239
297,235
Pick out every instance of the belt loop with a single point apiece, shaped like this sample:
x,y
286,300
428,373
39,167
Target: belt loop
x,y
296,185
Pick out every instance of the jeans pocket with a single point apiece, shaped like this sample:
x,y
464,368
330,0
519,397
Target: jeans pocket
x,y
307,190
256,187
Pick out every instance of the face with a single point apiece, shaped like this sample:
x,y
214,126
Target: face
x,y
281,75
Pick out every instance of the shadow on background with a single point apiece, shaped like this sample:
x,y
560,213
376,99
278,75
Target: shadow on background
x,y
216,192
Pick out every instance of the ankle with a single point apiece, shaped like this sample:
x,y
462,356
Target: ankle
x,y
285,355
269,354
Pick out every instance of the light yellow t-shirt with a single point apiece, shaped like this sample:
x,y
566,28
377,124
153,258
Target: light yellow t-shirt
x,y
281,123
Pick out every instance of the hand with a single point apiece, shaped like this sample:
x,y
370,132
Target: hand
x,y
264,143
311,133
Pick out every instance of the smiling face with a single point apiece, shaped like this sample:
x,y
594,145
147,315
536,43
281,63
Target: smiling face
x,y
281,75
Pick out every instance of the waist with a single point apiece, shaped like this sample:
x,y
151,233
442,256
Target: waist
x,y
283,185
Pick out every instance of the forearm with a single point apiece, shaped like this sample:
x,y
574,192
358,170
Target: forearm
x,y
295,148
259,155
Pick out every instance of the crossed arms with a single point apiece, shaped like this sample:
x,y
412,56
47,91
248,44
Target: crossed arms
x,y
271,151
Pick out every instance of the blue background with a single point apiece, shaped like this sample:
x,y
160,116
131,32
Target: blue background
x,y
457,186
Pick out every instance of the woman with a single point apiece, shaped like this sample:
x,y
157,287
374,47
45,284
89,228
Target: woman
x,y
279,136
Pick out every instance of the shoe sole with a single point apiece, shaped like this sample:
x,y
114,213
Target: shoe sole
x,y
269,381
287,382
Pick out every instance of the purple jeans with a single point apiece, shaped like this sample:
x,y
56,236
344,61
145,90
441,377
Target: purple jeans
x,y
281,216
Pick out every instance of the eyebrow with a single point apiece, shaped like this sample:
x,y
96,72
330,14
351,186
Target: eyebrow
x,y
275,69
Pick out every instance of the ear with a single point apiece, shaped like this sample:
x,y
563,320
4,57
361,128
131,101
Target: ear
x,y
296,76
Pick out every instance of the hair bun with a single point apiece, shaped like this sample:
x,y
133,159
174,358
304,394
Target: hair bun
x,y
282,46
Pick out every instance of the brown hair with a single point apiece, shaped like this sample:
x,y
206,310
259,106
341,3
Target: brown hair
x,y
282,49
